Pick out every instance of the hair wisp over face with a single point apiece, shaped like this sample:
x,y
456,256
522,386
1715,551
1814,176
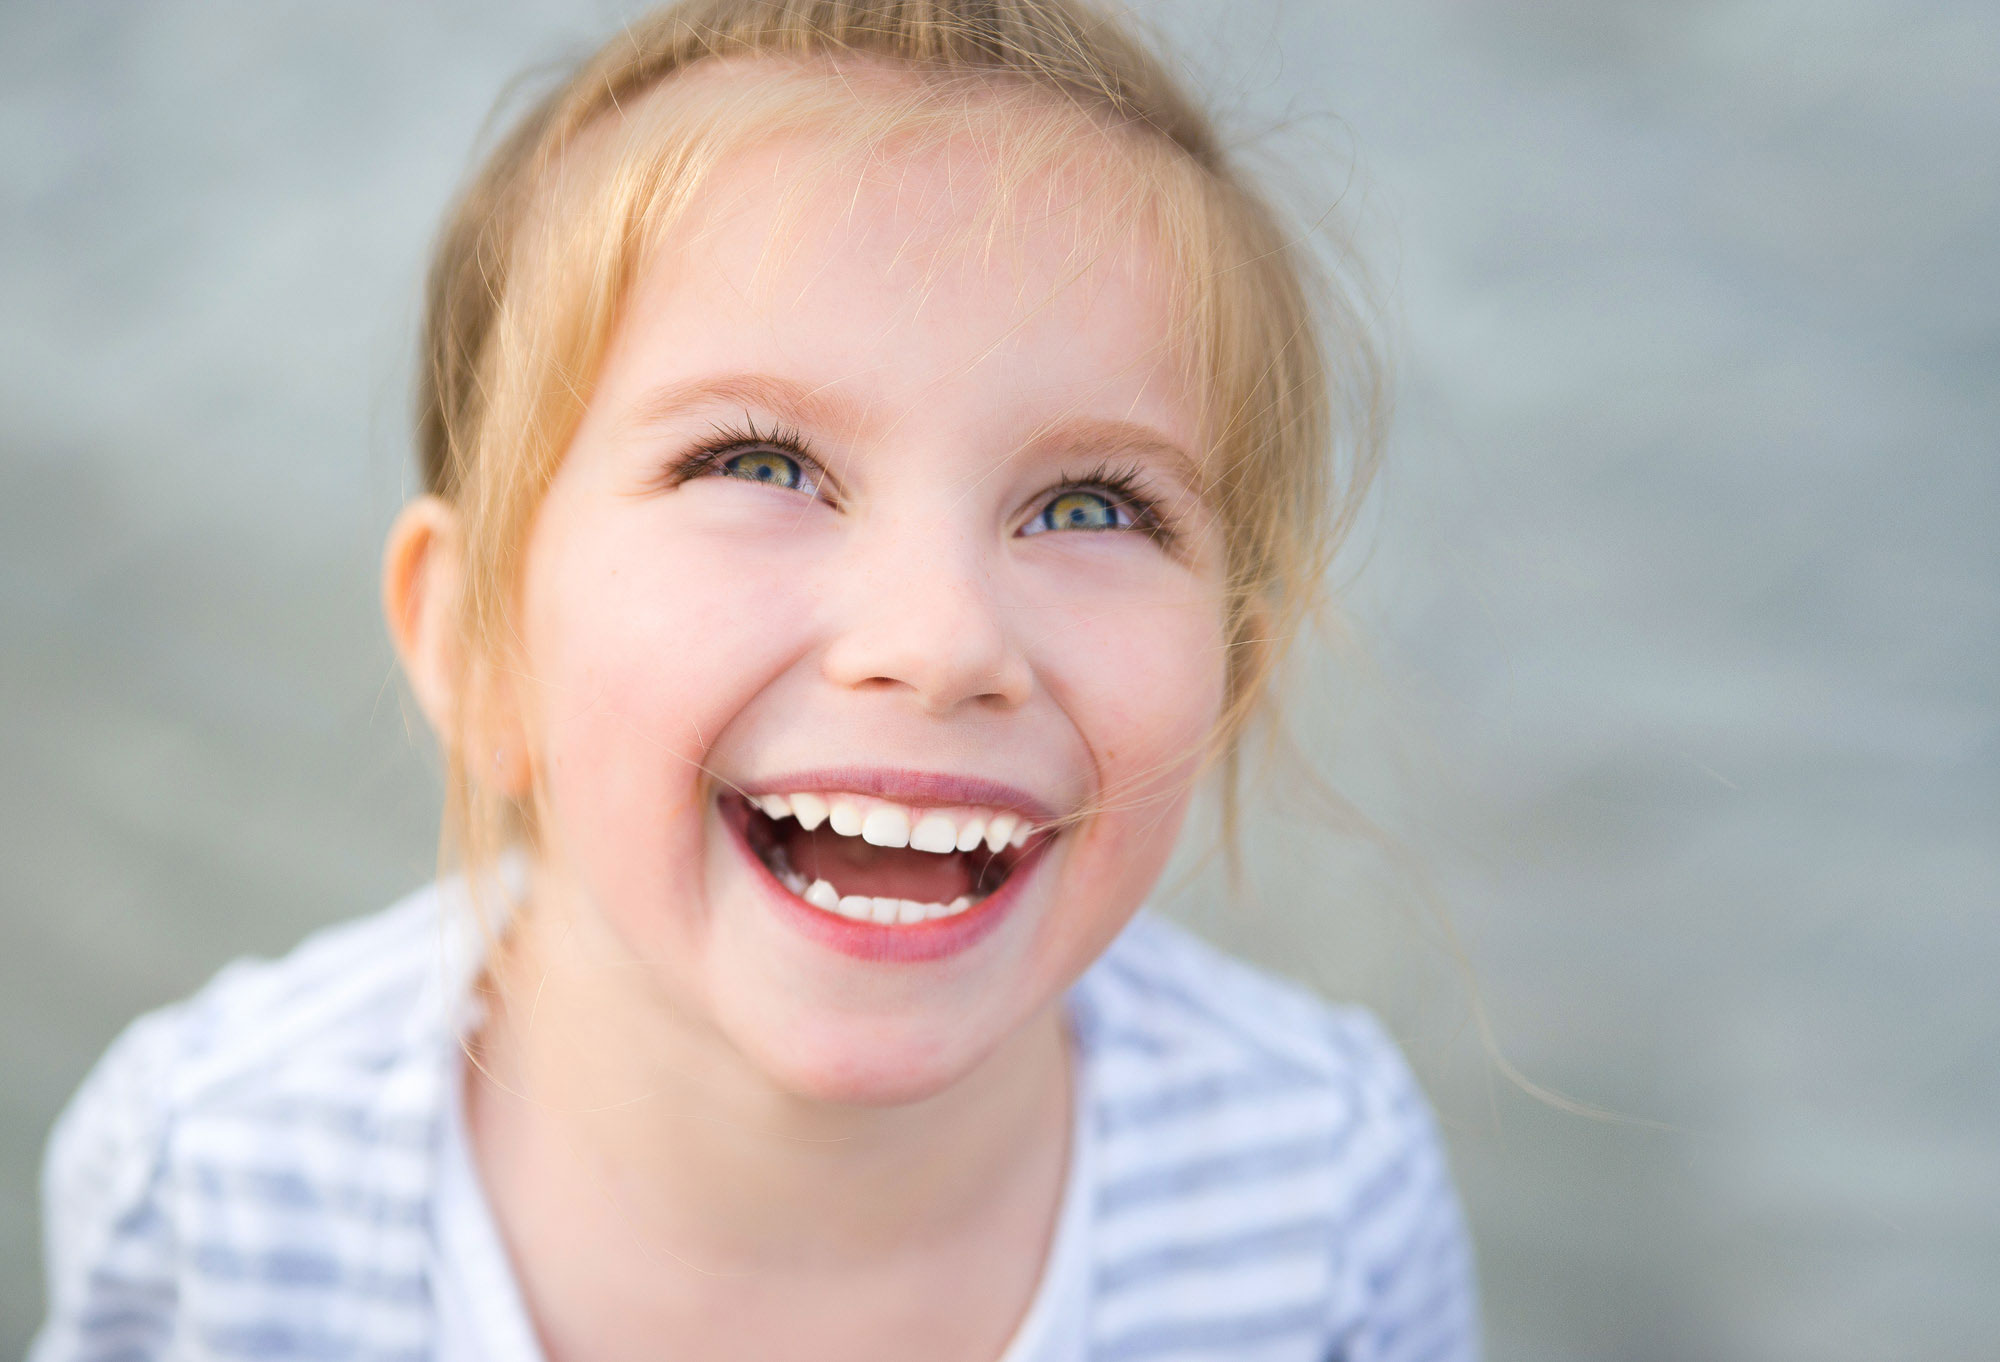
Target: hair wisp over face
x,y
537,257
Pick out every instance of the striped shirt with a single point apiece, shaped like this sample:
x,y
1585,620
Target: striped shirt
x,y
276,1168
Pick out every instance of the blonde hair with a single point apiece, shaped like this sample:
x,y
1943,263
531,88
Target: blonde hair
x,y
540,249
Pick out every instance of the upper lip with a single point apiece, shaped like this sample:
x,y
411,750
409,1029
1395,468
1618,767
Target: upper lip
x,y
918,789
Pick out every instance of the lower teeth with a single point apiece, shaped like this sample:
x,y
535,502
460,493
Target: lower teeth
x,y
861,907
864,908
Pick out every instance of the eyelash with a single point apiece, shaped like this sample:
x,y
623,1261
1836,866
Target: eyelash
x,y
1118,483
1121,485
726,442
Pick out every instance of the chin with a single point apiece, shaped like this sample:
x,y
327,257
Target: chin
x,y
874,1063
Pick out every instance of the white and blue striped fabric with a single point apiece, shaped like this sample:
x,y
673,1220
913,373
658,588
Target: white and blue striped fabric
x,y
268,1170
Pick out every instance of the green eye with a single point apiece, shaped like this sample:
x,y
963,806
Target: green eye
x,y
1080,510
765,465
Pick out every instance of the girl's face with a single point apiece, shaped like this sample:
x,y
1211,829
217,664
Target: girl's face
x,y
879,540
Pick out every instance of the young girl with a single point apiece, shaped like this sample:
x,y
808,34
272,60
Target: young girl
x,y
870,449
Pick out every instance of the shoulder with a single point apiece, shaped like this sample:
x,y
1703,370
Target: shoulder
x,y
270,1043
240,1105
1256,1143
340,1005
1162,991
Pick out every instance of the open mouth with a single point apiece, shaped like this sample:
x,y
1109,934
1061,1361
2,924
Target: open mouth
x,y
874,860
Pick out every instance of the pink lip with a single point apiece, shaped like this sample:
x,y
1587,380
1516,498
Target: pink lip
x,y
918,941
917,788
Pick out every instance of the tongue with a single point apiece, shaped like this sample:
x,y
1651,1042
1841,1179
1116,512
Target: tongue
x,y
852,866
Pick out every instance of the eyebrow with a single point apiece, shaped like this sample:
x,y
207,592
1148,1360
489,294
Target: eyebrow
x,y
1101,438
792,401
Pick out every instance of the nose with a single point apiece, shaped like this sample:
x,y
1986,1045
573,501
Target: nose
x,y
918,612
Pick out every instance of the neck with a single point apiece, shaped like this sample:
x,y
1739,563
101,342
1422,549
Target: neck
x,y
630,1112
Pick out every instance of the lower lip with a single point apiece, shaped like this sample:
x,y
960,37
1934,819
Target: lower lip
x,y
900,944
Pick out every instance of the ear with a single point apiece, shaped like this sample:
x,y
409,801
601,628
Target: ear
x,y
423,572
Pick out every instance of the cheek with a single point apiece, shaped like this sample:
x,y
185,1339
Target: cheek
x,y
643,642
1147,695
1144,683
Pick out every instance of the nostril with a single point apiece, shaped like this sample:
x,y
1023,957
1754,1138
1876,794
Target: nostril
x,y
947,657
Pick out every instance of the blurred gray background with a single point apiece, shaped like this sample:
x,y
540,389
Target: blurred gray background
x,y
1680,603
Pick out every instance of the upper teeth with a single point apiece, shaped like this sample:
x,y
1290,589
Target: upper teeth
x,y
892,825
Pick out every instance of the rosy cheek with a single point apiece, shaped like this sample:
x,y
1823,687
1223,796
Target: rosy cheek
x,y
642,647
1143,681
1154,683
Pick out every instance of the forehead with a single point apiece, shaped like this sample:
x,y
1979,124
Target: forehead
x,y
908,275
845,213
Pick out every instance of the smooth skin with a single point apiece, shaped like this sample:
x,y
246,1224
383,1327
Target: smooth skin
x,y
702,1132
